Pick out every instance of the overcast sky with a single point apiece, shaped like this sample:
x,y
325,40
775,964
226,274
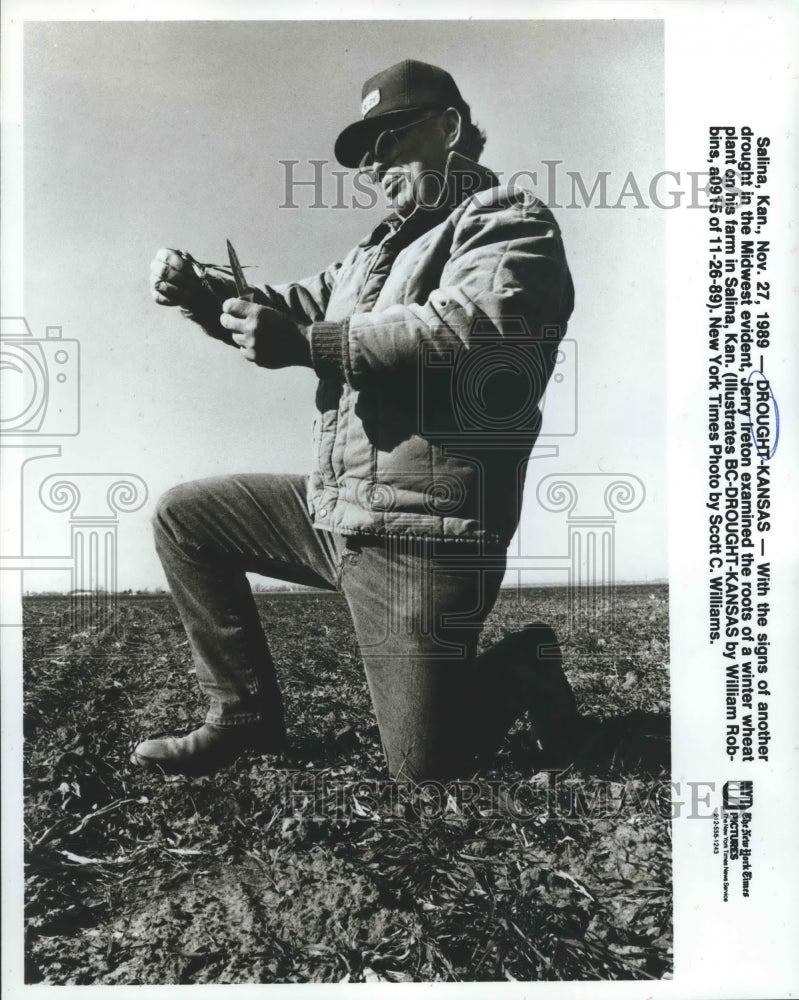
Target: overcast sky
x,y
145,134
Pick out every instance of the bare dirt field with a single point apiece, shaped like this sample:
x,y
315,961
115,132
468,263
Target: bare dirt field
x,y
309,868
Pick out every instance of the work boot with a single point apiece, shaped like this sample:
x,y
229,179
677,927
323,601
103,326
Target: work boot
x,y
556,723
206,750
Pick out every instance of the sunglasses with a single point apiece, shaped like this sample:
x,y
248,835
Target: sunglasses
x,y
386,147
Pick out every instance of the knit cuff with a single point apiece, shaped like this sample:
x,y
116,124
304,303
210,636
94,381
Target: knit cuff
x,y
329,349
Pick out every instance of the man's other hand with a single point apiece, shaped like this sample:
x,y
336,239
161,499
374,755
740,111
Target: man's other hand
x,y
265,336
173,281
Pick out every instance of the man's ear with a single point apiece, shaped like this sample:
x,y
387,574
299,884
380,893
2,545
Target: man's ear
x,y
451,124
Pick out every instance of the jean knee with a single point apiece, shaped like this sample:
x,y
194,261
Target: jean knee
x,y
170,507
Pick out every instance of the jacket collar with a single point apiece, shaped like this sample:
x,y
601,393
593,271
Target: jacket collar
x,y
462,177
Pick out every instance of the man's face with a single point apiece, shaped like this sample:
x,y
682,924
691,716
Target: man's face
x,y
412,166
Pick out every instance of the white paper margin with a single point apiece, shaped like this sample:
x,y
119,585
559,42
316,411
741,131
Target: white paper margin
x,y
726,63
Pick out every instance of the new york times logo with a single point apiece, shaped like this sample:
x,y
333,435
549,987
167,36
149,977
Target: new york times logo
x,y
732,837
737,796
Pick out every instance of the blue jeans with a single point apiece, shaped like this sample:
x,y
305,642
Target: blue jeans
x,y
417,606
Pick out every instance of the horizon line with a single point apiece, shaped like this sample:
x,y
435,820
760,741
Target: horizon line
x,y
299,589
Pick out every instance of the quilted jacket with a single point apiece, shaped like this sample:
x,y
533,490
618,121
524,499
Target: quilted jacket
x,y
433,340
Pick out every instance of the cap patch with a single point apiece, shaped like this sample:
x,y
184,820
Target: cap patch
x,y
371,99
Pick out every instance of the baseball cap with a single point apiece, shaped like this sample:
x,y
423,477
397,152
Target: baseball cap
x,y
393,98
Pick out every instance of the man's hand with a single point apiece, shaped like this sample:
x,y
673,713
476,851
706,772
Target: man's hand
x,y
173,281
265,336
